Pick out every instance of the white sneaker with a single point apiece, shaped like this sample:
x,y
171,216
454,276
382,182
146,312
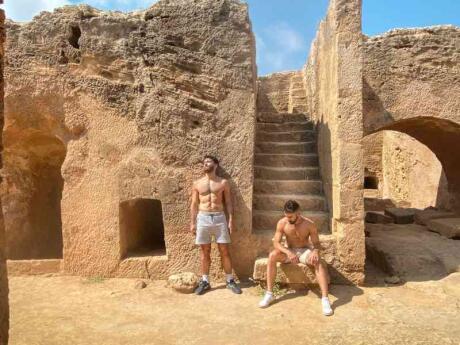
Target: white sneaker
x,y
327,310
267,300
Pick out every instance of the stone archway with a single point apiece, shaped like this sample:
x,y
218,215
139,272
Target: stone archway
x,y
441,137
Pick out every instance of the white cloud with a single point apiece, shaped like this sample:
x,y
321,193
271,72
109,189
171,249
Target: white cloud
x,y
276,46
25,10
286,37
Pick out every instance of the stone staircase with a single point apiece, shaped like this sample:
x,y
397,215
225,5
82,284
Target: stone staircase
x,y
297,98
286,167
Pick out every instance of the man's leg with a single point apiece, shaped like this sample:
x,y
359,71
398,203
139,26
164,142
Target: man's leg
x,y
227,265
274,257
205,259
205,264
322,277
225,257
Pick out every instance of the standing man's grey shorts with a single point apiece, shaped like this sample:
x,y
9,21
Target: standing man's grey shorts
x,y
209,225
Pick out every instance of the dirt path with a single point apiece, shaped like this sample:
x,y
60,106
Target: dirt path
x,y
71,310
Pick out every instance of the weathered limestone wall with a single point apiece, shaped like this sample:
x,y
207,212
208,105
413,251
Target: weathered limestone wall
x,y
412,174
333,79
407,171
136,99
411,86
4,310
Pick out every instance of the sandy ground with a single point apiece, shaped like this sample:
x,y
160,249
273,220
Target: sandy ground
x,y
62,310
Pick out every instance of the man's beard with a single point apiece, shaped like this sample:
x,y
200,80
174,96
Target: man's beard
x,y
208,169
293,221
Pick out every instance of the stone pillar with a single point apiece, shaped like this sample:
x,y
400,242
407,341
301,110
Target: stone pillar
x,y
333,79
348,169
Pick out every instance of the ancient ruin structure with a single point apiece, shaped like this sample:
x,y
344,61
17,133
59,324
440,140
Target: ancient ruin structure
x,y
107,116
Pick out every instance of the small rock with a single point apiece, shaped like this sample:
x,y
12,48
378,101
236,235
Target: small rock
x,y
140,284
183,282
392,280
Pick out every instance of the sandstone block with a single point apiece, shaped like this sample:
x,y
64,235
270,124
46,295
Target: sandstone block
x,y
401,215
422,217
377,204
183,282
447,227
377,218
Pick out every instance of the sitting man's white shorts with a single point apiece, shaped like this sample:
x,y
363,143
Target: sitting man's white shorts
x,y
302,254
211,225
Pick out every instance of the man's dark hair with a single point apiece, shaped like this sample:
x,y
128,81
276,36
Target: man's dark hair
x,y
214,159
291,206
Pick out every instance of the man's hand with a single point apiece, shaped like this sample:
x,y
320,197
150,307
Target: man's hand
x,y
293,258
313,258
193,229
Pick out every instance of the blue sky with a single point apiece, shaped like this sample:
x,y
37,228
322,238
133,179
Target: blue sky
x,y
284,29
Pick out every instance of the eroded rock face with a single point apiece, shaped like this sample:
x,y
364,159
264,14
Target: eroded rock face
x,y
4,310
127,105
411,251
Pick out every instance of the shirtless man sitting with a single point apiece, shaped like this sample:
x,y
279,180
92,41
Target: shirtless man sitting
x,y
208,221
297,230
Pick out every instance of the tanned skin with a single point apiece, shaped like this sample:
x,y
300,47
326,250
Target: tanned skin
x,y
209,194
299,232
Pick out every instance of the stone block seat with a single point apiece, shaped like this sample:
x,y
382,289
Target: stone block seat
x,y
297,274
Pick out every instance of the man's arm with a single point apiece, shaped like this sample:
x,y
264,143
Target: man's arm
x,y
228,204
277,243
314,238
194,209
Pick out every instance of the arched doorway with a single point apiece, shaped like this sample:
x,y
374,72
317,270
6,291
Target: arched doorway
x,y
32,198
417,164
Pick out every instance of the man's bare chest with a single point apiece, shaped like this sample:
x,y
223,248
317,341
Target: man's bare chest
x,y
296,232
206,188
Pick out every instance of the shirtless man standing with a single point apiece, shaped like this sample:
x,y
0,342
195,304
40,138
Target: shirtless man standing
x,y
297,230
208,220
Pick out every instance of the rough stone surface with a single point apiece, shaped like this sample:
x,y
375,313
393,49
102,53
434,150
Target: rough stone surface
x,y
447,227
411,251
4,311
33,267
422,217
377,204
127,104
183,282
378,218
407,171
273,92
401,215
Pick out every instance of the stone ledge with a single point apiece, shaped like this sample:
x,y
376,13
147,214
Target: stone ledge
x,y
33,267
300,273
